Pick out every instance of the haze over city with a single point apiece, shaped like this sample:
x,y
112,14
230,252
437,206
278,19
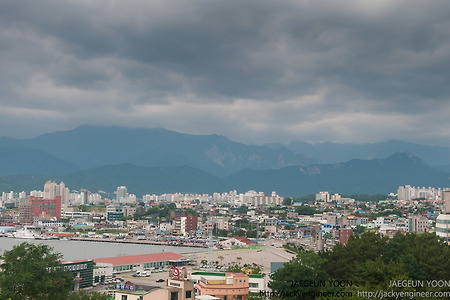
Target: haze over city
x,y
254,71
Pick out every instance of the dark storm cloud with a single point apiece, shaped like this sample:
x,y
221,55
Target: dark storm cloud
x,y
252,70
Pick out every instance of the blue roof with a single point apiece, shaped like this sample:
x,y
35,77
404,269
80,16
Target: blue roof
x,y
6,228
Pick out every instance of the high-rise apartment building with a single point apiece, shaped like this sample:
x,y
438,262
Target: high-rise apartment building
x,y
52,189
323,197
443,220
408,192
446,198
84,194
121,193
33,207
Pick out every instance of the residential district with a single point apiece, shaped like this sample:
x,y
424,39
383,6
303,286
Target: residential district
x,y
241,238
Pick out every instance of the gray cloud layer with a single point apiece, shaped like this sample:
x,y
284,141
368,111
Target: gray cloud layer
x,y
255,71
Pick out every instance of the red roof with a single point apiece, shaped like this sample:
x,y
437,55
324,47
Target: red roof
x,y
245,240
61,234
136,259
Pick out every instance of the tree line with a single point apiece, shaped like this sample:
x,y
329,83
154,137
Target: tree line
x,y
369,262
34,272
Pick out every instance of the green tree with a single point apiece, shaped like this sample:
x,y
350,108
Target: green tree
x,y
251,234
306,267
287,201
34,272
83,208
359,229
242,210
293,248
305,210
190,211
234,268
371,261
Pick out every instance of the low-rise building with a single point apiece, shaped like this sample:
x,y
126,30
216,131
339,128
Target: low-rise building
x,y
178,287
82,271
344,235
443,227
256,282
233,286
418,224
145,261
103,273
237,241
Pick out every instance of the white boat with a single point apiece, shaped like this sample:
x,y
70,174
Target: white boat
x,y
24,233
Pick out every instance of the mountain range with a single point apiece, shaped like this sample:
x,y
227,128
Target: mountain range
x,y
163,161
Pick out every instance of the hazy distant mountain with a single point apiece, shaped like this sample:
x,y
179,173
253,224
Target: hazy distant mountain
x,y
435,156
159,161
143,180
94,146
25,182
20,160
138,180
355,176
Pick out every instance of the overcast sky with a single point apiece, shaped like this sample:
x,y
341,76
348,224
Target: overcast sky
x,y
254,71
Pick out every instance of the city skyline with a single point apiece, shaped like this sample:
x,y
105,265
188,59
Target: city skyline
x,y
256,72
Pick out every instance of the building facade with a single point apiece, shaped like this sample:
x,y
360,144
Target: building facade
x,y
344,235
123,264
234,286
418,224
256,282
82,271
34,207
443,220
443,227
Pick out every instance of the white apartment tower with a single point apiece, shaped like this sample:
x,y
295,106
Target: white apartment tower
x,y
443,220
52,189
121,193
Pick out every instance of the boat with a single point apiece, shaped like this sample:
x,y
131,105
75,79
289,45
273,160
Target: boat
x,y
24,233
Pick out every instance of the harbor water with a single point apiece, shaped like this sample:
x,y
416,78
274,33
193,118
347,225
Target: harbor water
x,y
80,250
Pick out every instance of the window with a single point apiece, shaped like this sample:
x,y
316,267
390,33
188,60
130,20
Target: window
x,y
124,297
174,296
188,294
